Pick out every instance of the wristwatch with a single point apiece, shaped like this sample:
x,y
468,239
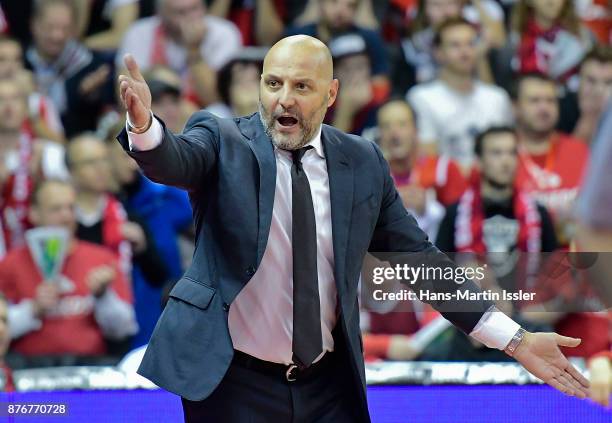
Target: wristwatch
x,y
515,342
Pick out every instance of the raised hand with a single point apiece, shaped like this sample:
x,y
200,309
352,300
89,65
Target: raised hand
x,y
539,353
135,94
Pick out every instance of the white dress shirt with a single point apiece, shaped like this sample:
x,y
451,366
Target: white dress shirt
x,y
261,316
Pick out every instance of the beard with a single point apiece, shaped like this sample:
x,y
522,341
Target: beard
x,y
308,126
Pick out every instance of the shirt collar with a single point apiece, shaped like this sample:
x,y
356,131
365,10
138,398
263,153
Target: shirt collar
x,y
317,144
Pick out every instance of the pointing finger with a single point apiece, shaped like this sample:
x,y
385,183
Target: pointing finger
x,y
132,67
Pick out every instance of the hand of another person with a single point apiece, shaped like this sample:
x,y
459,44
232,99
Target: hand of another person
x,y
134,233
600,370
539,353
46,298
355,93
94,80
414,198
99,279
401,348
135,94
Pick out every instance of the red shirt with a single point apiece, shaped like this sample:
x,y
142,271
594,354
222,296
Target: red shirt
x,y
554,177
71,328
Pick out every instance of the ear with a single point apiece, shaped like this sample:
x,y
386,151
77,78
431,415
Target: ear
x,y
334,86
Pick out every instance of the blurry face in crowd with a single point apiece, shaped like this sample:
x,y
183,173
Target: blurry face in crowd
x,y
296,88
124,168
457,50
10,58
537,108
13,106
438,11
595,86
548,10
175,13
243,92
338,14
168,107
89,165
499,159
52,30
398,135
55,206
5,337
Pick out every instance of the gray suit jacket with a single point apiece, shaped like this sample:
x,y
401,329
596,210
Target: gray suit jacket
x,y
229,168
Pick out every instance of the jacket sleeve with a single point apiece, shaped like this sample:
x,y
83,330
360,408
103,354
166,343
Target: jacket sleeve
x,y
184,160
398,239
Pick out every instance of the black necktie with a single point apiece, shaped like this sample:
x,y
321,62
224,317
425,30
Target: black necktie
x,y
307,340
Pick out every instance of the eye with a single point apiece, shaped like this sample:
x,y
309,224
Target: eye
x,y
301,86
273,83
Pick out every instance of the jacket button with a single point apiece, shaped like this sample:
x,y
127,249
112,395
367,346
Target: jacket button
x,y
226,307
250,271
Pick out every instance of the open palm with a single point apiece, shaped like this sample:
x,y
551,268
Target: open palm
x,y
539,353
135,94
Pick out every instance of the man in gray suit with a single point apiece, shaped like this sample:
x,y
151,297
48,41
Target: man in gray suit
x,y
264,325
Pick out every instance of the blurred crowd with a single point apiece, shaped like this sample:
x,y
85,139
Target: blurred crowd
x,y
486,110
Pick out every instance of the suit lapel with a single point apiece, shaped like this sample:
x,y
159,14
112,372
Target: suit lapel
x,y
262,147
341,197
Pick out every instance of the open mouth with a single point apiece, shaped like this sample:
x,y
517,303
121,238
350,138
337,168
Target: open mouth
x,y
287,121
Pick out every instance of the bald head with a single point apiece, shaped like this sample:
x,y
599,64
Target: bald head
x,y
87,159
295,90
302,51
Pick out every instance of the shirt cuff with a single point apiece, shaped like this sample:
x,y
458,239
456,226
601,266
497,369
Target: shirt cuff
x,y
495,329
148,140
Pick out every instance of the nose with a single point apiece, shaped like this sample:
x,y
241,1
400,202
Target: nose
x,y
286,99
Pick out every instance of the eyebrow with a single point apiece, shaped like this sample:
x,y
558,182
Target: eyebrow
x,y
304,79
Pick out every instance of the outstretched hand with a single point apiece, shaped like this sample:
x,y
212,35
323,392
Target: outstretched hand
x,y
539,353
135,94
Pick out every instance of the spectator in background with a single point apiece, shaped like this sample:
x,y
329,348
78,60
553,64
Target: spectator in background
x,y
102,23
183,37
5,341
167,101
426,184
72,76
498,220
548,38
261,22
73,315
43,116
100,217
581,112
338,17
415,63
165,210
355,108
455,107
238,84
494,215
24,160
551,164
